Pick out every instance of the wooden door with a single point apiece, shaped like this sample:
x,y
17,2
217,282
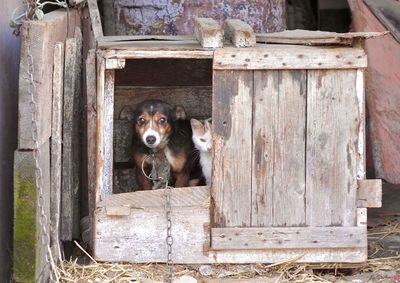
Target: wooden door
x,y
288,150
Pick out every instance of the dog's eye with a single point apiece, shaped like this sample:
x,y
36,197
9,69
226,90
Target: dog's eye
x,y
141,121
162,121
202,140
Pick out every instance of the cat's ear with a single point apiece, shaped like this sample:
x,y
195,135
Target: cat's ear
x,y
196,124
180,113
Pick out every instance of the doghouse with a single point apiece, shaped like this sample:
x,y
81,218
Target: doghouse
x,y
288,178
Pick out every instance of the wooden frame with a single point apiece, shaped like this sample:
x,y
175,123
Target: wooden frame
x,y
349,244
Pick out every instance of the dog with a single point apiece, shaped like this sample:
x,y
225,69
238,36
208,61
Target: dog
x,y
163,129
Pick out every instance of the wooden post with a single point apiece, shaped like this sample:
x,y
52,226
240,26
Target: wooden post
x,y
56,148
71,138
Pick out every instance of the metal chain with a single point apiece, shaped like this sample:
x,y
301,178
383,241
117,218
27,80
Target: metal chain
x,y
168,209
43,219
169,240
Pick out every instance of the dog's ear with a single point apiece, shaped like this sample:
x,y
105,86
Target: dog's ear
x,y
126,113
180,113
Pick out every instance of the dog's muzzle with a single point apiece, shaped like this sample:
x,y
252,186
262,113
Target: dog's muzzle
x,y
151,138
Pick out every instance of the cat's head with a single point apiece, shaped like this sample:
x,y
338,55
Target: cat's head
x,y
202,138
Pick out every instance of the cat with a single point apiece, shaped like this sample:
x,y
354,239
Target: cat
x,y
203,143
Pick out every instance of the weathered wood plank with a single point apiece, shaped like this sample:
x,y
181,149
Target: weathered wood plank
x,y
56,149
142,230
208,32
100,81
289,57
91,127
288,238
95,19
369,193
239,33
157,50
333,122
232,120
312,37
37,47
71,138
108,132
278,176
29,263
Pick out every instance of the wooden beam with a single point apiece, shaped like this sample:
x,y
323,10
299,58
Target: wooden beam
x,y
289,57
71,137
239,33
95,18
308,37
369,193
56,149
288,238
208,32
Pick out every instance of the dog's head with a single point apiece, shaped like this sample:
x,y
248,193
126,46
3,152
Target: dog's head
x,y
154,122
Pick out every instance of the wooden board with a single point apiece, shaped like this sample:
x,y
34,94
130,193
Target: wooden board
x,y
71,137
288,238
56,149
232,140
278,174
208,32
289,57
90,85
37,47
29,263
136,222
95,19
333,121
239,33
312,37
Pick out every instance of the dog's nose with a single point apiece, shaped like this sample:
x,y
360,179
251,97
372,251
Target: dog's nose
x,y
151,139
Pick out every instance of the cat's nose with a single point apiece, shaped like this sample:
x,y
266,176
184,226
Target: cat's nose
x,y
209,148
151,139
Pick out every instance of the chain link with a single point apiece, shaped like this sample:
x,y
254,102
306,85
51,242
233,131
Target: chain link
x,y
168,208
43,219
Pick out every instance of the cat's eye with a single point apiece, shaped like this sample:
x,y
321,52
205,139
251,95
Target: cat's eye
x,y
202,140
141,121
162,121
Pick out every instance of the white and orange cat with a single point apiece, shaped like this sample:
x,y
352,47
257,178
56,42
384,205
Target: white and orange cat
x,y
202,140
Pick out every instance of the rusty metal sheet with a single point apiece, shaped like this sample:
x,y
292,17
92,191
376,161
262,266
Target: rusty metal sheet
x,y
176,17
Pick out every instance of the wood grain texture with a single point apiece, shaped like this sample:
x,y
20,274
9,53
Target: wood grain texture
x,y
56,149
91,132
108,132
208,32
289,57
312,37
100,95
333,121
115,63
239,33
95,19
288,238
156,50
37,48
71,137
369,193
278,169
232,140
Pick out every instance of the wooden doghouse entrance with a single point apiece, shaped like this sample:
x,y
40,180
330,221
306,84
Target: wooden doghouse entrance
x,y
288,160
